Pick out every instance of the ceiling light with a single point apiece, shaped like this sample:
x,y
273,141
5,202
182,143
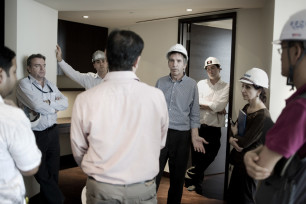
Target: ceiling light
x,y
188,10
85,16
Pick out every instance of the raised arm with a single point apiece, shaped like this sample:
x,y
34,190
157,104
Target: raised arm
x,y
68,70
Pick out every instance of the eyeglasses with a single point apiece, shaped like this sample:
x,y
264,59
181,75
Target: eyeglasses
x,y
280,50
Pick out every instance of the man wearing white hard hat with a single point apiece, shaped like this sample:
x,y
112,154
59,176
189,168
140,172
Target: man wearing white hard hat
x,y
288,136
213,98
86,80
182,98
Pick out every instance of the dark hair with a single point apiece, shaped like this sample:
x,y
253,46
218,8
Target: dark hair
x,y
6,57
122,50
173,52
263,95
34,56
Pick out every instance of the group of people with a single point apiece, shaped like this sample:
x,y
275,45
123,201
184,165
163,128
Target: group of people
x,y
124,131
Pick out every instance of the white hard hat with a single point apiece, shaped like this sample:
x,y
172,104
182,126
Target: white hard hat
x,y
256,76
210,61
295,28
98,55
178,48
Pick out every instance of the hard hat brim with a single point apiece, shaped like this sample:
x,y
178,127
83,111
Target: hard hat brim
x,y
245,81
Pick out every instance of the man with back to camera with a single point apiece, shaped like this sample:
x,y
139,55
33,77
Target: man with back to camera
x,y
213,97
182,98
86,80
41,96
119,127
19,152
288,135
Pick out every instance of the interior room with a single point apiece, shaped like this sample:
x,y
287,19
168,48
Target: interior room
x,y
37,26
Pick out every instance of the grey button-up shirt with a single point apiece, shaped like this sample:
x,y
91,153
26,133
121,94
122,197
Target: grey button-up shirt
x,y
182,98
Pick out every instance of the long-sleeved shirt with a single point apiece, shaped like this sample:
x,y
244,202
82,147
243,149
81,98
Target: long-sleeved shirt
x,y
32,95
215,96
18,151
253,135
183,102
118,129
86,80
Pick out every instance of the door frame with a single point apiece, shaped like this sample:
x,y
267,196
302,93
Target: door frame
x,y
181,37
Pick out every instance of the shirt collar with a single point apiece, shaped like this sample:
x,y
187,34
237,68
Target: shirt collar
x,y
120,75
32,79
298,92
1,99
218,82
183,78
96,75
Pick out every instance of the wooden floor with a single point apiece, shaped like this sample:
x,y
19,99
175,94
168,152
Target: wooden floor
x,y
72,181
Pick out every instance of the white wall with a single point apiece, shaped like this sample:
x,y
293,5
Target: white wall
x,y
279,90
252,49
31,28
158,37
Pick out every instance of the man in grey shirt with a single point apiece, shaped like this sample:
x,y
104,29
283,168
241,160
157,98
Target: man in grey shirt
x,y
86,80
182,99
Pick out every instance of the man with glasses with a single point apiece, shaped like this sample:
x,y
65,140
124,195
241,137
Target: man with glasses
x,y
86,80
39,95
288,135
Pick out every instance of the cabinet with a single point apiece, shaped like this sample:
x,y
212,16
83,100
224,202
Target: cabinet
x,y
78,42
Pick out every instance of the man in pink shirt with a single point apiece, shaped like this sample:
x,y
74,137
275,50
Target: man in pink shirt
x,y
119,127
288,135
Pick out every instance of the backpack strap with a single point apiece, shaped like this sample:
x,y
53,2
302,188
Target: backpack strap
x,y
303,95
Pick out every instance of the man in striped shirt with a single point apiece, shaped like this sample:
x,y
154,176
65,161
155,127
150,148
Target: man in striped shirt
x,y
182,99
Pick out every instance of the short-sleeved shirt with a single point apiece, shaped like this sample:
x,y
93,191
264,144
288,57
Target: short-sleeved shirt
x,y
288,135
18,150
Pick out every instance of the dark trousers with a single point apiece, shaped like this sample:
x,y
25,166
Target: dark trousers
x,y
200,161
177,151
242,187
47,175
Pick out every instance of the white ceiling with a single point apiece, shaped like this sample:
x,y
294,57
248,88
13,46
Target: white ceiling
x,y
119,13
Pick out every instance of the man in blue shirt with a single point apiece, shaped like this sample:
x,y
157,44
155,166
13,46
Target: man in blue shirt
x,y
182,99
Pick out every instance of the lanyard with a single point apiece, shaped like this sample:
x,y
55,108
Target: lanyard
x,y
41,89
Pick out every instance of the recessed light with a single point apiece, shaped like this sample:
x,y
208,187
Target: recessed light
x,y
189,10
85,16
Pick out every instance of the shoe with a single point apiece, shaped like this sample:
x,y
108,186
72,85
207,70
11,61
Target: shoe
x,y
191,188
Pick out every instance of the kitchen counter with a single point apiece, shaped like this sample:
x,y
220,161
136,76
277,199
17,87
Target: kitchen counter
x,y
64,125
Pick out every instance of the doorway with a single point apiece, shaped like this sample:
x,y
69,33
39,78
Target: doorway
x,y
203,37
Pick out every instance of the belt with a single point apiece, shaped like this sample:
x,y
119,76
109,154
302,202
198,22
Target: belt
x,y
147,182
49,128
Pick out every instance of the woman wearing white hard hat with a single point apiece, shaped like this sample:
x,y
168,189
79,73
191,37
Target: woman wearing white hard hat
x,y
286,140
247,134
